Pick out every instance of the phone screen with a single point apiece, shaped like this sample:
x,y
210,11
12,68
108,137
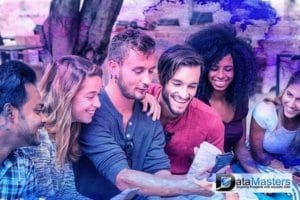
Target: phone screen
x,y
221,161
296,174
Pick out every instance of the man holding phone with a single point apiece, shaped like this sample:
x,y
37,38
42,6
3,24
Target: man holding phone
x,y
123,148
187,121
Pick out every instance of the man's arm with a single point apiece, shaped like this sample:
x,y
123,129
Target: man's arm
x,y
101,148
150,100
162,183
155,179
151,104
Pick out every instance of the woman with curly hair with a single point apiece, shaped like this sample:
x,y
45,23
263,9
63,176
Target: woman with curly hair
x,y
69,89
226,83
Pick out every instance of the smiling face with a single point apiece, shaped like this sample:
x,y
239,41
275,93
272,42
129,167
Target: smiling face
x,y
31,117
291,101
86,100
135,74
221,74
180,89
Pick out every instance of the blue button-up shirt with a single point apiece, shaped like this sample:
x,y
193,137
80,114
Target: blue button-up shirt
x,y
103,143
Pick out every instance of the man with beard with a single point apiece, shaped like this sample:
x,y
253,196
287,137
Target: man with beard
x,y
123,147
20,119
187,121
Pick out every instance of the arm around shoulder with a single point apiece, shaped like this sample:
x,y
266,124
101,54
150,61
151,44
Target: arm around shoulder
x,y
98,144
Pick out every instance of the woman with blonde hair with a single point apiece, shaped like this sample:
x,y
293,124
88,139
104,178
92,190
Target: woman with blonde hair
x,y
275,134
275,125
69,89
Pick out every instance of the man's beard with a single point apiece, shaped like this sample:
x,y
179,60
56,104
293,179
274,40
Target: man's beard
x,y
31,138
125,91
167,102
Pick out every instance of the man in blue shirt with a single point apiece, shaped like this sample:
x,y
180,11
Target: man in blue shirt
x,y
20,119
123,147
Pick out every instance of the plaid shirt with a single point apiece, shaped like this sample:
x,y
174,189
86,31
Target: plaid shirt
x,y
17,177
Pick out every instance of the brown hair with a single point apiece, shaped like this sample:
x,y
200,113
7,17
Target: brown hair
x,y
174,58
59,84
129,39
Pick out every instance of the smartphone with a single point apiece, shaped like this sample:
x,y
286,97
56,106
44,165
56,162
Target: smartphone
x,y
296,174
221,161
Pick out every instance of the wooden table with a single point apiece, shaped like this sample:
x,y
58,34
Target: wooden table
x,y
14,51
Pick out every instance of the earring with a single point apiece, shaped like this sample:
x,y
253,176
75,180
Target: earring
x,y
113,76
116,78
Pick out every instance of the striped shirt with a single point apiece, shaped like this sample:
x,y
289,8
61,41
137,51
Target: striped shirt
x,y
17,177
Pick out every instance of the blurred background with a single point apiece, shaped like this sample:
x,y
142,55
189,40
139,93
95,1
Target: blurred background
x,y
272,27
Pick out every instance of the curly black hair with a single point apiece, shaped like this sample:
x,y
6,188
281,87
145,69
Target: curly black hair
x,y
215,42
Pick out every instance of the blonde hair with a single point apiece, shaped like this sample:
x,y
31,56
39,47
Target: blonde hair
x,y
294,148
58,86
294,79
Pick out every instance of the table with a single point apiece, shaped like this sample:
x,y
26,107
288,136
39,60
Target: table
x,y
15,51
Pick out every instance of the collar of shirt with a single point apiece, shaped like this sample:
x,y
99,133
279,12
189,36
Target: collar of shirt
x,y
9,161
109,106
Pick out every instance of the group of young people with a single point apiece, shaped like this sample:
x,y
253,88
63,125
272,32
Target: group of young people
x,y
98,141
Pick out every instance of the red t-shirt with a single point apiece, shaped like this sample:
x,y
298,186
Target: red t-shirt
x,y
199,123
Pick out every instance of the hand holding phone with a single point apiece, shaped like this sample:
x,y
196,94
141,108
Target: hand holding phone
x,y
204,159
296,174
296,177
222,160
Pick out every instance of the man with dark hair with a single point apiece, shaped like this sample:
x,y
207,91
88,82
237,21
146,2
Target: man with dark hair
x,y
20,119
187,121
123,147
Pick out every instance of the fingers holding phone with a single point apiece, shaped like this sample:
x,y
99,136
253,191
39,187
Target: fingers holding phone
x,y
222,164
204,159
296,178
